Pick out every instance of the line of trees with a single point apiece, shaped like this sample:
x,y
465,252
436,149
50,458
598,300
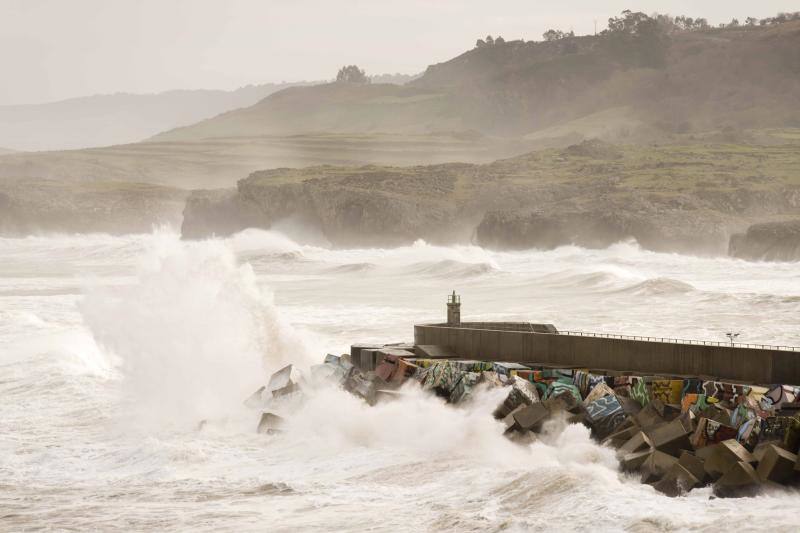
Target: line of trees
x,y
489,41
685,23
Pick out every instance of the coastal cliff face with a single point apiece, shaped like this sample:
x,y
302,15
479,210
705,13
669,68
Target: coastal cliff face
x,y
772,241
670,198
360,207
42,205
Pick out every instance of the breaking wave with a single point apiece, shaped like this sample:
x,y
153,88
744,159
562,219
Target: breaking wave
x,y
103,393
658,286
450,268
194,333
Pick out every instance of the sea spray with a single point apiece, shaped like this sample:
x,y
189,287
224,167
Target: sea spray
x,y
194,332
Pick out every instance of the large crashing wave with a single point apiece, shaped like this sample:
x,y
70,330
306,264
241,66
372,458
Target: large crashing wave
x,y
194,333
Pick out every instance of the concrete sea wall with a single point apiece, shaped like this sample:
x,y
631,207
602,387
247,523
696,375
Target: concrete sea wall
x,y
731,363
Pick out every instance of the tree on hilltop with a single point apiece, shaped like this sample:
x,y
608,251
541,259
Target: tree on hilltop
x,y
553,35
637,38
351,74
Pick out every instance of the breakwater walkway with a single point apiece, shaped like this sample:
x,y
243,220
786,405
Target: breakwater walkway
x,y
522,342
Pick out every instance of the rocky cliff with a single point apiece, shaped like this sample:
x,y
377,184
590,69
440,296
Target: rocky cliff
x,y
670,198
771,241
42,205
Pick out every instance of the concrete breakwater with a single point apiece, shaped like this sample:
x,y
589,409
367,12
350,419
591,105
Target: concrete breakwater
x,y
521,342
676,432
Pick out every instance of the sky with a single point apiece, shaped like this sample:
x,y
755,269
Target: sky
x,y
57,49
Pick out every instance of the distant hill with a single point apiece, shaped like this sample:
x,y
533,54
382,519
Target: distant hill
x,y
104,120
330,107
650,87
4,151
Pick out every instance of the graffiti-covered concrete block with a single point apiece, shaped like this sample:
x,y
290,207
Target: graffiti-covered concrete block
x,y
521,393
668,391
711,432
604,415
598,392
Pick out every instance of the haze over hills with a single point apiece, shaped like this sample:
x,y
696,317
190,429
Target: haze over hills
x,y
109,119
649,86
638,89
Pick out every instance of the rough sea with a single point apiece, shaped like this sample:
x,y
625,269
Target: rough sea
x,y
114,349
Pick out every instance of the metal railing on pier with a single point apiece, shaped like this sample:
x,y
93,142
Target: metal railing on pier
x,y
680,341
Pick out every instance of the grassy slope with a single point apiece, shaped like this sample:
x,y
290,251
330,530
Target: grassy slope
x,y
711,79
221,162
771,160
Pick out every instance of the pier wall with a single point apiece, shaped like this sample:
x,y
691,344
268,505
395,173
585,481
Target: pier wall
x,y
730,363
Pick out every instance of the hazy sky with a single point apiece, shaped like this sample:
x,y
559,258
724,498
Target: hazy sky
x,y
54,49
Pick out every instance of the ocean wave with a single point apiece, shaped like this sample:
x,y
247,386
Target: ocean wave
x,y
450,268
351,268
656,286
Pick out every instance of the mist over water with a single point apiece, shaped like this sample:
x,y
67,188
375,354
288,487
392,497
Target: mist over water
x,y
113,349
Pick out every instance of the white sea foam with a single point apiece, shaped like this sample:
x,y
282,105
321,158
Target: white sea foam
x,y
107,373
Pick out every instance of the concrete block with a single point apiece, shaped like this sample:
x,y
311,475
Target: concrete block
x,y
493,379
640,441
656,466
355,353
270,423
693,465
711,432
740,480
521,393
510,422
629,405
256,399
530,417
777,465
432,351
633,461
283,382
464,386
506,369
565,397
604,415
620,437
648,417
719,458
666,390
599,390
677,481
360,385
672,437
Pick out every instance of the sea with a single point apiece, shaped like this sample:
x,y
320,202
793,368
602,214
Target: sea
x,y
125,362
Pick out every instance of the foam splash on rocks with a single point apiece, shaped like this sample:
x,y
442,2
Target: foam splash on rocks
x,y
192,332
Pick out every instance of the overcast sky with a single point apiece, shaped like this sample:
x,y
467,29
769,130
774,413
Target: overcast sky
x,y
55,49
